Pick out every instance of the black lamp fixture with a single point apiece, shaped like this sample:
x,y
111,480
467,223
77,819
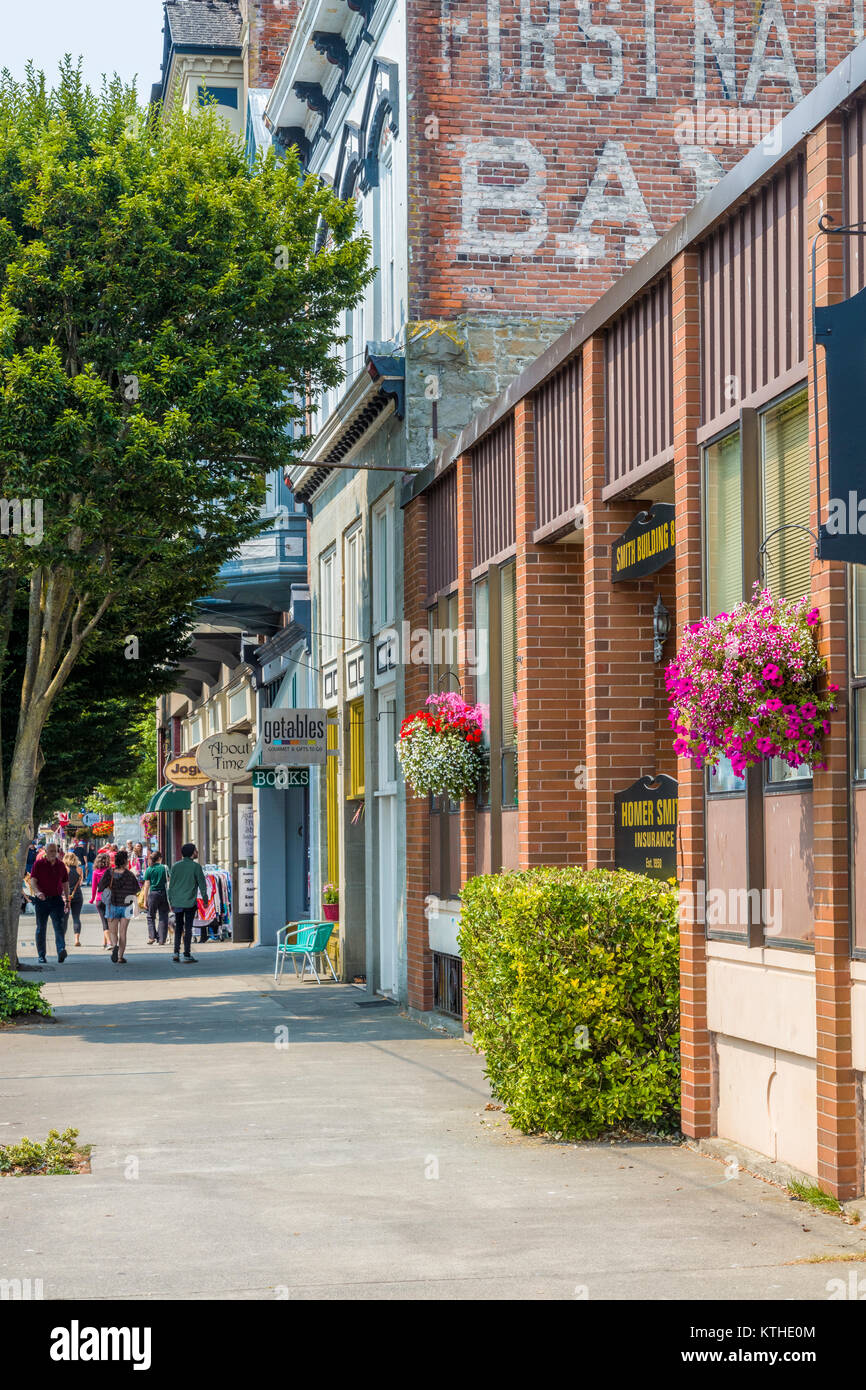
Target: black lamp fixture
x,y
661,628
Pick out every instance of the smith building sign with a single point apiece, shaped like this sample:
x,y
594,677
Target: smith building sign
x,y
645,818
646,546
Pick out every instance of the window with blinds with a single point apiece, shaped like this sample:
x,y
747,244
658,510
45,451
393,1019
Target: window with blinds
x,y
786,494
858,662
355,781
332,809
482,674
723,522
508,622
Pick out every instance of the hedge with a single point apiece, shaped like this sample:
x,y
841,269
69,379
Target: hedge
x,y
571,983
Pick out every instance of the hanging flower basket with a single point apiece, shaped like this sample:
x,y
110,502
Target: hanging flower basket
x,y
440,747
749,685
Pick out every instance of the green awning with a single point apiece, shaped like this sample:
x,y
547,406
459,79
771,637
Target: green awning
x,y
170,798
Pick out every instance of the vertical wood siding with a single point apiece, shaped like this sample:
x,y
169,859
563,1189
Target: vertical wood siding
x,y
558,452
754,294
493,492
639,383
442,534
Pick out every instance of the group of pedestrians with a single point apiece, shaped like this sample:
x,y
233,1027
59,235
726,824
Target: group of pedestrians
x,y
118,881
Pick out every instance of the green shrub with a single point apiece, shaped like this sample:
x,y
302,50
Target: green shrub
x,y
19,996
56,1155
571,981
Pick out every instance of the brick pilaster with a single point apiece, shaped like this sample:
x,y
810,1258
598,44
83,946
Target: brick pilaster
x,y
619,670
838,1167
415,685
466,625
551,722
697,1119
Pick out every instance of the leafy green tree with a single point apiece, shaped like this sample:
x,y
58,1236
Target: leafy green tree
x,y
161,304
130,793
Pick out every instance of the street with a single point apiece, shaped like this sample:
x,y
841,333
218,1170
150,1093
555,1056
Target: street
x,y
260,1142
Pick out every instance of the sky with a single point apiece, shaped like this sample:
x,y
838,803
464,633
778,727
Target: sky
x,y
123,36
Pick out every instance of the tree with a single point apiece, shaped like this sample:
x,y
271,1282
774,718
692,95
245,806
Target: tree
x,y
131,792
161,304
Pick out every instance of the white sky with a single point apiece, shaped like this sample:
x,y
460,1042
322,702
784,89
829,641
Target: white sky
x,y
122,36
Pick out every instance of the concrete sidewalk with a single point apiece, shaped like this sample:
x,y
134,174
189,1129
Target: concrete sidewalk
x,y
257,1142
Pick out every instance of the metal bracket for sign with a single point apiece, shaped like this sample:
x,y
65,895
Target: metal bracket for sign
x,y
824,228
788,526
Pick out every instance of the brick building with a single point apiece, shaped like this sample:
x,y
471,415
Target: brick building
x,y
690,383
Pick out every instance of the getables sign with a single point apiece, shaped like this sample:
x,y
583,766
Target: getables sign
x,y
293,737
645,827
647,545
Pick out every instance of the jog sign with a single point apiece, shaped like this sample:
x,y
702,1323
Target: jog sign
x,y
224,757
645,827
646,546
293,737
185,772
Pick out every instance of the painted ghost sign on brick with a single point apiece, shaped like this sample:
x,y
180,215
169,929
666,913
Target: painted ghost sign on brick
x,y
569,136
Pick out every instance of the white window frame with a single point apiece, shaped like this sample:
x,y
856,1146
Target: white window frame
x,y
352,584
328,613
384,573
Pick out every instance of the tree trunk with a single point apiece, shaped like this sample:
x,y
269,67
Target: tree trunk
x,y
13,857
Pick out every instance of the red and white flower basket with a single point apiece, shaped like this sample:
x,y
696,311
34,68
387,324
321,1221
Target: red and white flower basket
x,y
440,747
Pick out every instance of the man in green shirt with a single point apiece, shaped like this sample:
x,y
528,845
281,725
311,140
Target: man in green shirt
x,y
186,884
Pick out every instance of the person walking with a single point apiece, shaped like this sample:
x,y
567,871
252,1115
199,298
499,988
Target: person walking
x,y
76,897
138,862
91,859
50,879
187,882
121,886
101,865
156,879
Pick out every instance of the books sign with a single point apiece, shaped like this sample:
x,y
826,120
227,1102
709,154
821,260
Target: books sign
x,y
645,827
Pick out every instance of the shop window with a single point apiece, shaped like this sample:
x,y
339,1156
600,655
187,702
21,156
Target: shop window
x,y
332,807
858,670
384,597
355,781
786,493
723,522
352,587
330,640
482,675
508,676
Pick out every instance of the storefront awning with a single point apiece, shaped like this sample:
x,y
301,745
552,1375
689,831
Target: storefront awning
x,y
170,798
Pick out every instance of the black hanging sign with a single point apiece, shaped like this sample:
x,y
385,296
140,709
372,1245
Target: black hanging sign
x,y
841,330
645,827
646,546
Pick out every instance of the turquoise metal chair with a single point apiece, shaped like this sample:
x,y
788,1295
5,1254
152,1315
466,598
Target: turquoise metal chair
x,y
311,940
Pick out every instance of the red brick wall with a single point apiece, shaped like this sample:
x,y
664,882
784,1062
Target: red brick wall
x,y
839,1166
553,125
271,24
550,678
